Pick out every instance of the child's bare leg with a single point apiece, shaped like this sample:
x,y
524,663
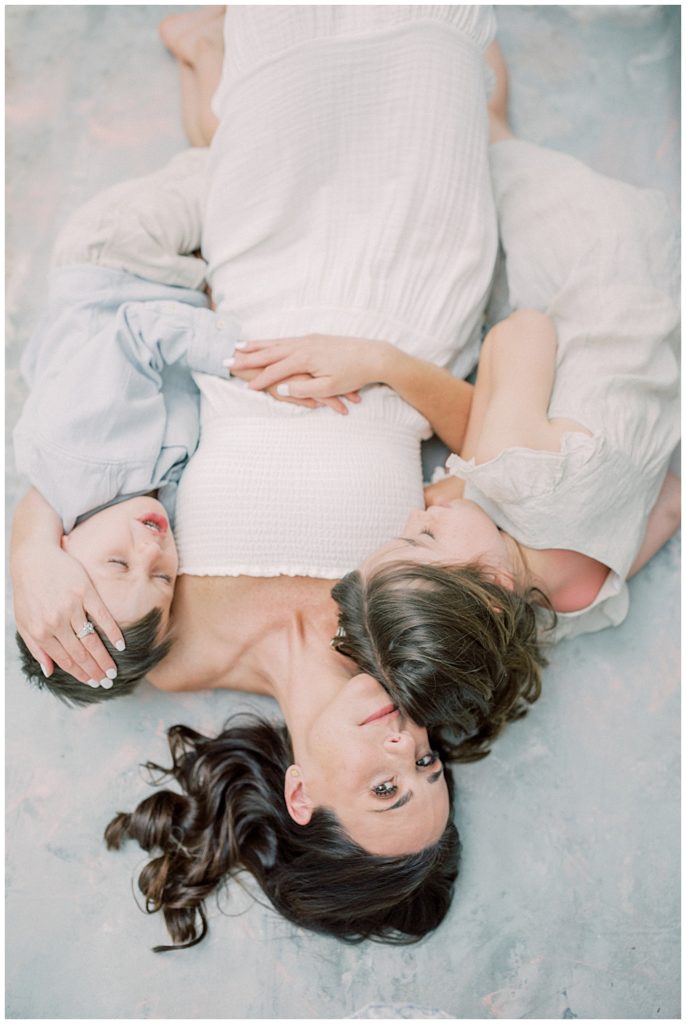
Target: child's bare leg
x,y
497,105
196,39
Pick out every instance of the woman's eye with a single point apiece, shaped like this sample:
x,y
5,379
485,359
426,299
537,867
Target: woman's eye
x,y
119,561
429,534
167,579
427,760
385,789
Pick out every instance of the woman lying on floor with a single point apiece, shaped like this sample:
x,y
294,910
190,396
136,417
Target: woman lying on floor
x,y
162,827
301,806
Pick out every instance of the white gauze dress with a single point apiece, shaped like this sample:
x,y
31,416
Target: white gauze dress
x,y
602,259
349,194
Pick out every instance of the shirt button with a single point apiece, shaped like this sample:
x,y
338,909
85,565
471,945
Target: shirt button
x,y
220,325
169,308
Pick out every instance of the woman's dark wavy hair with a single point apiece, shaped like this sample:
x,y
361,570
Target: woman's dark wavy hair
x,y
232,817
458,652
144,650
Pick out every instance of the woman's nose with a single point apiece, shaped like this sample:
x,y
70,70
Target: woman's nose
x,y
399,743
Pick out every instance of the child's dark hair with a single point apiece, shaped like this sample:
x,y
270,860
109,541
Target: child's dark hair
x,y
144,649
458,652
231,816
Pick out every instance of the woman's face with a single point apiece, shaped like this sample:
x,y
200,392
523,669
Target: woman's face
x,y
374,768
459,532
130,555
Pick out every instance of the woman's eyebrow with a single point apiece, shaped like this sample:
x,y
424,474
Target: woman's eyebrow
x,y
436,776
399,803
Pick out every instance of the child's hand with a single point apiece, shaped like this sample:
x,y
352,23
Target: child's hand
x,y
450,488
53,598
336,366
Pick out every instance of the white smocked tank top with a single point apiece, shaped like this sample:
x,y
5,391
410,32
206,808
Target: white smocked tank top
x,y
277,489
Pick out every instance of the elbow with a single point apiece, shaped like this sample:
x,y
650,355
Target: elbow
x,y
672,511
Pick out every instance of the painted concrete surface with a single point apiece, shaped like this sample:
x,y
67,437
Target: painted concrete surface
x,y
568,901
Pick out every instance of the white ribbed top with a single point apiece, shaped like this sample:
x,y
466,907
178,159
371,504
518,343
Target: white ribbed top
x,y
349,194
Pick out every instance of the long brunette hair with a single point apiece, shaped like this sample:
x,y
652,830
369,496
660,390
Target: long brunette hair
x,y
458,652
232,816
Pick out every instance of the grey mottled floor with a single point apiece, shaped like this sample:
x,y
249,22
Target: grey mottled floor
x,y
568,903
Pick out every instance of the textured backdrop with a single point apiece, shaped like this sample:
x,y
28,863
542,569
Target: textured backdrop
x,y
568,901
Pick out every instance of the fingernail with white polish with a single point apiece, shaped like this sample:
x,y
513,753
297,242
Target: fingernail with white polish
x,y
107,684
228,363
120,645
44,670
240,344
111,673
93,683
283,389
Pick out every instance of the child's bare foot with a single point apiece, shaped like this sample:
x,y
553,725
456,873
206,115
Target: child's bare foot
x,y
181,33
497,104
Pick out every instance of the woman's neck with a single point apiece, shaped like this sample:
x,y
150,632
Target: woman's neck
x,y
241,633
305,674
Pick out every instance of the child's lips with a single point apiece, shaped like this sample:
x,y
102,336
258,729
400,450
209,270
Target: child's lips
x,y
154,521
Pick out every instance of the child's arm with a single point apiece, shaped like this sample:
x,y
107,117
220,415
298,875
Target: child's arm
x,y
53,596
513,388
149,226
663,522
340,366
511,395
152,335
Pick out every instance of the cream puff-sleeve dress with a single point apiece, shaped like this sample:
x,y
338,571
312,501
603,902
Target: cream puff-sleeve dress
x,y
602,259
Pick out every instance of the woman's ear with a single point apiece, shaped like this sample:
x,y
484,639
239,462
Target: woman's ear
x,y
298,803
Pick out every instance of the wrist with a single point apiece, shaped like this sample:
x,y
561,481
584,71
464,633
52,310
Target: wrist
x,y
386,362
394,366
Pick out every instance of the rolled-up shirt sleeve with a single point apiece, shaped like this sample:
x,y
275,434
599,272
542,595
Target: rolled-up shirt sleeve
x,y
153,335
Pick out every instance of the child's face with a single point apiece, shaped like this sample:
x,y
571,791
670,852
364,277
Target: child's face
x,y
457,533
128,551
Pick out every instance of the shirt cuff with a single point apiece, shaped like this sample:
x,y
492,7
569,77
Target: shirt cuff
x,y
214,340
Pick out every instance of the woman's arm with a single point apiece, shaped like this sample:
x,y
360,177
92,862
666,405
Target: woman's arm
x,y
53,596
340,366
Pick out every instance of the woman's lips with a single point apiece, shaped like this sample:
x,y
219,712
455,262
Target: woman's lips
x,y
154,521
387,709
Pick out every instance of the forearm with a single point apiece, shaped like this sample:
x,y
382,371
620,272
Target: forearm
x,y
434,392
35,522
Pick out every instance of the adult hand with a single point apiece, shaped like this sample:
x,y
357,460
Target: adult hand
x,y
334,403
53,598
333,365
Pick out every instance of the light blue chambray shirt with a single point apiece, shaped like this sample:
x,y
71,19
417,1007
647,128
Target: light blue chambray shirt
x,y
113,410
